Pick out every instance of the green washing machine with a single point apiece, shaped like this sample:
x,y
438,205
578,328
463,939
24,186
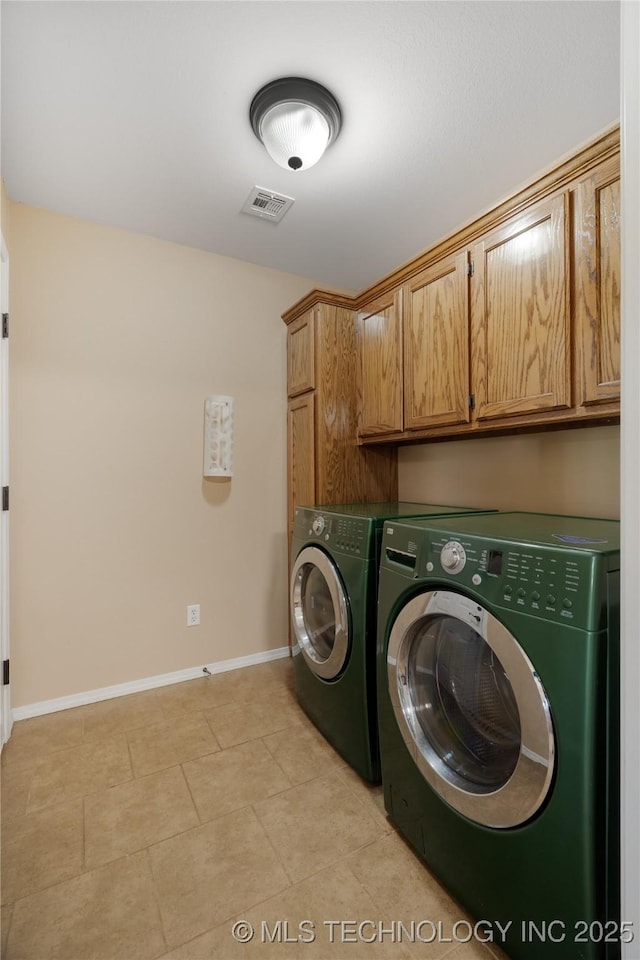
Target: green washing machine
x,y
333,594
498,705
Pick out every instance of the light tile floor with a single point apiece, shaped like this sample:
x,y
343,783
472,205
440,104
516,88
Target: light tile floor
x,y
146,827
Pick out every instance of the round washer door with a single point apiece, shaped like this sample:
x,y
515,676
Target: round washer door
x,y
319,613
471,709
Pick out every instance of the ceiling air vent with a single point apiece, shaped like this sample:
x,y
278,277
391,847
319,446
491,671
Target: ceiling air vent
x,y
267,205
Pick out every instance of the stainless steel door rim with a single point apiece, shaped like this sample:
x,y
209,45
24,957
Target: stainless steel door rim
x,y
495,801
324,644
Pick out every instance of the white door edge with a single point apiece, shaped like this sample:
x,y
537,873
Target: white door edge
x,y
5,697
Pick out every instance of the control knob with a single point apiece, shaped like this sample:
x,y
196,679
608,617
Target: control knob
x,y
453,557
318,525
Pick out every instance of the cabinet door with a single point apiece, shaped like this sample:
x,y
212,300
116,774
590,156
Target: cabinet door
x,y
300,354
436,343
520,314
380,333
597,277
301,453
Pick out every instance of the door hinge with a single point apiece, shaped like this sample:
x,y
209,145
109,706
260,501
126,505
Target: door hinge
x,y
5,498
5,673
5,326
470,268
472,401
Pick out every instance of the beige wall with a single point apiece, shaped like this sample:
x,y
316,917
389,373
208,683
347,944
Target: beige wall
x,y
116,340
566,471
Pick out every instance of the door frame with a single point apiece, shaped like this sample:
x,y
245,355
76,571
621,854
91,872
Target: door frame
x,y
6,720
630,473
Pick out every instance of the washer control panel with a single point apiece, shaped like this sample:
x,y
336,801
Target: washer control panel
x,y
453,557
554,583
341,534
542,581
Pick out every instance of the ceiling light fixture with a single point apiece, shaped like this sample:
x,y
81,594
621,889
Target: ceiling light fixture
x,y
296,120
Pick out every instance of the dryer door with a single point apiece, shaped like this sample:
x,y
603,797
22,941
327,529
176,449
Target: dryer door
x,y
319,613
471,709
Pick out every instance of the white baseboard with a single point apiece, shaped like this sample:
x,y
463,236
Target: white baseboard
x,y
146,683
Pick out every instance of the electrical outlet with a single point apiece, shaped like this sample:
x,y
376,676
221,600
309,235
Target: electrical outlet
x,y
193,615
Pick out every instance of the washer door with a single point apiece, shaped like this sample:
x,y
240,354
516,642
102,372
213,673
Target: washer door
x,y
471,709
319,613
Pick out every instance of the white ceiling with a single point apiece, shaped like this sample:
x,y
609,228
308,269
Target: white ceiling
x,y
136,114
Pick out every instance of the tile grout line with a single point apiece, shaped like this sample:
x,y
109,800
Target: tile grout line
x,y
188,785
366,805
376,907
130,755
280,768
156,898
123,735
84,838
326,865
58,883
213,733
250,906
8,932
273,847
159,840
41,764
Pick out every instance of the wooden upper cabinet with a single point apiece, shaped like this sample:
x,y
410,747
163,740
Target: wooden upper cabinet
x,y
512,323
301,354
301,453
380,335
436,345
597,282
325,462
520,314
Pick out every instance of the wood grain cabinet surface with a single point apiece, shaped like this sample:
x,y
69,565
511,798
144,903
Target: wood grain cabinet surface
x,y
301,354
520,314
415,353
325,462
512,323
380,330
597,283
301,453
436,345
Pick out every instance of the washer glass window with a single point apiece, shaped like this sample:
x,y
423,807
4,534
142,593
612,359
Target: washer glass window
x,y
319,613
464,702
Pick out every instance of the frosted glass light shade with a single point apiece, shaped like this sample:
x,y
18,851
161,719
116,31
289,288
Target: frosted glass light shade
x,y
293,132
296,119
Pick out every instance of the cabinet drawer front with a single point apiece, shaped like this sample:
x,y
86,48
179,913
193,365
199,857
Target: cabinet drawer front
x,y
437,346
521,314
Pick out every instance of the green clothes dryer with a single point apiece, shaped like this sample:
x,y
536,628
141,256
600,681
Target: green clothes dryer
x,y
333,594
498,677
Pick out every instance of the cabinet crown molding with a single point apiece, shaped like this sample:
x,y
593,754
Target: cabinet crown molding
x,y
315,297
